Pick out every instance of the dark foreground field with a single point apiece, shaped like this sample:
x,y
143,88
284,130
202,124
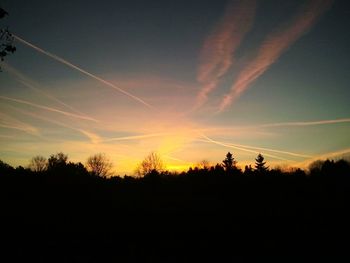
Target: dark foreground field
x,y
61,217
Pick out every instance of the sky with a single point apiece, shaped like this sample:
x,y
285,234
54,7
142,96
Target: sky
x,y
190,80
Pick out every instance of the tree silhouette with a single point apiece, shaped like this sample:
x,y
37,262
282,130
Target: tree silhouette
x,y
57,161
260,165
316,166
275,210
75,169
204,164
5,168
38,164
6,39
218,169
229,163
99,165
248,170
152,163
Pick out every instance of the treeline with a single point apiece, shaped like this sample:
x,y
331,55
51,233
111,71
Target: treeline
x,y
99,165
210,212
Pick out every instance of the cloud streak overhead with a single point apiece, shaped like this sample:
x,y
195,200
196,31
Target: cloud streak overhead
x,y
217,54
274,46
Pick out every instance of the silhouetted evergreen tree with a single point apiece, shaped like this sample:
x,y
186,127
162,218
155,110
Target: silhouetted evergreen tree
x,y
260,165
229,163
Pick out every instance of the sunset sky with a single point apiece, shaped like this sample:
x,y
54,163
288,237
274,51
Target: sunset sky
x,y
190,80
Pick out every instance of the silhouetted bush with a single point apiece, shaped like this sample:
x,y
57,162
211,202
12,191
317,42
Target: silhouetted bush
x,y
5,169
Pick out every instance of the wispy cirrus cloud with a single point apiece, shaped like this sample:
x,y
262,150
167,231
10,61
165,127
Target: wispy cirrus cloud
x,y
274,46
217,54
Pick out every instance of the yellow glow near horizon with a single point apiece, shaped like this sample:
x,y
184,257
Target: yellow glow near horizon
x,y
128,134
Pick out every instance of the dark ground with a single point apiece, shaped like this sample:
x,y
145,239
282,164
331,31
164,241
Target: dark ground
x,y
203,215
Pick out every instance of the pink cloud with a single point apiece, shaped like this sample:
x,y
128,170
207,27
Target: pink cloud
x,y
217,54
274,46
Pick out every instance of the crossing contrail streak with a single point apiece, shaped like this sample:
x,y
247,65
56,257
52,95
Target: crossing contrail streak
x,y
307,123
93,137
272,150
176,159
20,128
67,63
207,139
48,108
261,148
27,82
135,137
7,121
48,95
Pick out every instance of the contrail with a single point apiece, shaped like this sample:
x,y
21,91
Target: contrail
x,y
25,81
135,137
207,139
94,138
7,136
48,108
274,46
67,63
261,148
26,129
176,159
272,150
307,123
12,123
216,56
26,84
